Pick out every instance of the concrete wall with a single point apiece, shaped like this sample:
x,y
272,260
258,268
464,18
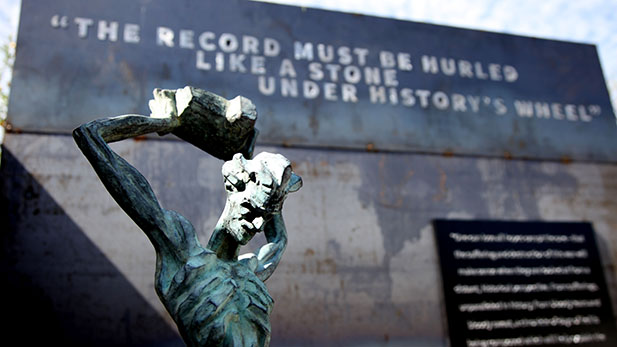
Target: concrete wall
x,y
361,267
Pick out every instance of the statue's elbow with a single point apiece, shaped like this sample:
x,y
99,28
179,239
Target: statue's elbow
x,y
86,130
78,132
84,135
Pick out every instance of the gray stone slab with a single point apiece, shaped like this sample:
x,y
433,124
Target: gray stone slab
x,y
361,264
318,78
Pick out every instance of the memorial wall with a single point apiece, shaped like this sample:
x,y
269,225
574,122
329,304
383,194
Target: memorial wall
x,y
425,150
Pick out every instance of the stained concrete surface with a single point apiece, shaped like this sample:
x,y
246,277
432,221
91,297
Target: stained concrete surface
x,y
361,267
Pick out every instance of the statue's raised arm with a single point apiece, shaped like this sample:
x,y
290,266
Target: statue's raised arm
x,y
214,297
212,123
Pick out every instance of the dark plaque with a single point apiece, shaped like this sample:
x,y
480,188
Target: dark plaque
x,y
523,284
319,78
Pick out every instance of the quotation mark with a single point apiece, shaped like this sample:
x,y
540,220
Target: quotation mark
x,y
58,21
595,110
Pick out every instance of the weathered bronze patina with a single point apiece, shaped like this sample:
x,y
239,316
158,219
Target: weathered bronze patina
x,y
214,296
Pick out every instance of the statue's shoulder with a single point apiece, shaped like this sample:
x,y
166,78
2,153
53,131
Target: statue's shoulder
x,y
181,236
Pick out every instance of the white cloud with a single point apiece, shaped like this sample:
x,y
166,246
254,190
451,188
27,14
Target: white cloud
x,y
9,18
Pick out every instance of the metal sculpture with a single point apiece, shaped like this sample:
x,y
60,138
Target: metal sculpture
x,y
215,296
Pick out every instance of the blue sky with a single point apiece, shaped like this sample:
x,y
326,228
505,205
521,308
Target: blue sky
x,y
589,21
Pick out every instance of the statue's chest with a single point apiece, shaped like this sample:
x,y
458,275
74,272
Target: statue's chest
x,y
209,299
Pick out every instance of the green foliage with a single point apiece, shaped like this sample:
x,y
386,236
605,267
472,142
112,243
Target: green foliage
x,y
7,56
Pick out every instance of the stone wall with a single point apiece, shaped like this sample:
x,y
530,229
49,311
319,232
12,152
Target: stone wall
x,y
361,266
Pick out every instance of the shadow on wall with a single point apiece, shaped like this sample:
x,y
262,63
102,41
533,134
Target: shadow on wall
x,y
58,286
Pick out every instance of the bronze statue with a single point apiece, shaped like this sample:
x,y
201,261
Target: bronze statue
x,y
214,296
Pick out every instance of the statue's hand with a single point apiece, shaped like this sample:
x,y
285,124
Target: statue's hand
x,y
163,106
216,125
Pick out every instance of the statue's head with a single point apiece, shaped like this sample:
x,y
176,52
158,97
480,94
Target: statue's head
x,y
255,189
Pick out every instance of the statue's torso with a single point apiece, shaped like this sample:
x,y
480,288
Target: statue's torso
x,y
214,302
